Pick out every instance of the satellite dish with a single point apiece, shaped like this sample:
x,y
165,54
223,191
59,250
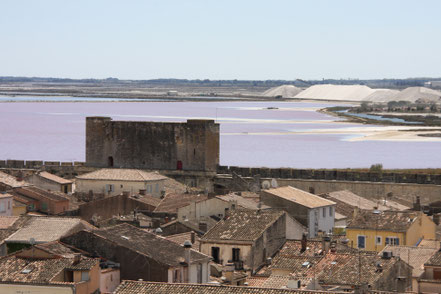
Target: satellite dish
x,y
266,185
274,183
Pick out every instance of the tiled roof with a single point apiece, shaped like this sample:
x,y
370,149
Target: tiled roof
x,y
147,199
347,201
138,287
56,248
276,281
243,225
54,178
151,245
429,244
120,174
414,256
5,195
294,263
435,260
11,181
172,202
181,238
395,221
47,229
350,269
13,269
32,190
7,221
300,197
241,201
84,264
256,281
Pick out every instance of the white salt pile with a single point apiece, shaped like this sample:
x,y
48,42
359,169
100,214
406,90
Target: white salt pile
x,y
336,92
422,94
382,95
285,91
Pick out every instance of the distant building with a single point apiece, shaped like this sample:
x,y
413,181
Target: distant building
x,y
114,181
8,182
312,211
248,237
38,270
430,282
37,199
157,259
373,230
190,146
6,204
50,181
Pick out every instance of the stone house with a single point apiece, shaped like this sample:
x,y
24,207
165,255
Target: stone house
x,y
430,282
50,182
248,238
6,204
114,181
373,230
144,255
312,211
37,270
37,199
416,257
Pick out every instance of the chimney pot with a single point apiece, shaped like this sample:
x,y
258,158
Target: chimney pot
x,y
193,237
142,192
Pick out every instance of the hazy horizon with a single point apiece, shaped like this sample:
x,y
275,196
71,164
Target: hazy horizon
x,y
222,40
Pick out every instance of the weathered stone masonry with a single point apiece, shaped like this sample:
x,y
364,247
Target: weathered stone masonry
x,y
192,146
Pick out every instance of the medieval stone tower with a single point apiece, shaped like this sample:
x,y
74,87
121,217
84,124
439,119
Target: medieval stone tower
x,y
192,146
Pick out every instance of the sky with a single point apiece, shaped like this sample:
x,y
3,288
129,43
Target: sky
x,y
241,39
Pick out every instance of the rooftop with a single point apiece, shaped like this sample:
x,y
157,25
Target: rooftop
x,y
243,225
435,260
299,196
11,181
147,199
5,195
149,244
347,201
395,221
413,256
17,269
172,202
30,192
7,221
120,174
138,287
54,178
46,229
181,238
247,203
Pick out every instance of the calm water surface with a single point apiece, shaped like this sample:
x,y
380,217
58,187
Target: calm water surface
x,y
251,134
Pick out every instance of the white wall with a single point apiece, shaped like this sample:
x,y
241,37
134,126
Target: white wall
x,y
100,186
294,230
226,252
325,223
207,208
6,206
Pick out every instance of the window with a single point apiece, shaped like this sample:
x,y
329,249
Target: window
x,y
324,211
392,241
176,277
236,254
330,211
9,204
2,207
110,161
149,189
157,188
110,188
215,254
361,242
378,240
84,276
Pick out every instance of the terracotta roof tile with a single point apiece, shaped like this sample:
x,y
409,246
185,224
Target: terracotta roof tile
x,y
243,224
435,260
132,287
54,178
181,238
172,202
120,174
11,181
299,196
7,221
396,221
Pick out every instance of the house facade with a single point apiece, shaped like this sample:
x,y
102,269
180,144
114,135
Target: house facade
x,y
312,211
113,181
6,204
373,230
50,181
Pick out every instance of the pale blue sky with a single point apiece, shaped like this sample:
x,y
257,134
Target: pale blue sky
x,y
221,39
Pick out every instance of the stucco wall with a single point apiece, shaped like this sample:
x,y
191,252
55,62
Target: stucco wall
x,y
153,188
34,289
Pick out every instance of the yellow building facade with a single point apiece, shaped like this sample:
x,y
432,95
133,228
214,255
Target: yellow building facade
x,y
373,232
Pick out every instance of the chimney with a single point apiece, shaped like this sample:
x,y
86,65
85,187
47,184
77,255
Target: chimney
x,y
356,210
187,249
304,242
193,237
77,258
326,244
19,176
229,271
126,193
142,192
417,204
